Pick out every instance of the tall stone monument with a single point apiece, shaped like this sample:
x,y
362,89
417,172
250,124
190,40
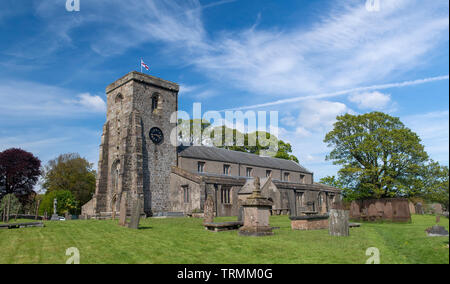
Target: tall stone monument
x,y
256,214
136,154
135,214
55,216
209,210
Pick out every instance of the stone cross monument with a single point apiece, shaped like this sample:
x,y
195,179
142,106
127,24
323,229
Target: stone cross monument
x,y
256,213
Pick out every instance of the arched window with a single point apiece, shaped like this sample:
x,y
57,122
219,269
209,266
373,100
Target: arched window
x,y
115,171
119,98
155,102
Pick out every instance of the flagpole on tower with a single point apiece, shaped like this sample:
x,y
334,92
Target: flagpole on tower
x,y
140,63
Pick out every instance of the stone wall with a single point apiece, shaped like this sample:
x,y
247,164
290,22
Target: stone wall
x,y
391,209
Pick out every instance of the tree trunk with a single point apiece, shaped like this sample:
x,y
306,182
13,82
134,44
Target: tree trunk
x,y
7,208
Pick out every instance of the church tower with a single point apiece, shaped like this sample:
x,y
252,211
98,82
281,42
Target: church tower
x,y
136,154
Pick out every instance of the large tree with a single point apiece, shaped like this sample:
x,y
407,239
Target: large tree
x,y
258,142
435,183
72,173
19,172
380,157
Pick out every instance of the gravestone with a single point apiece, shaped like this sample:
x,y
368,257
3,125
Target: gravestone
x,y
372,212
135,213
338,223
55,216
437,231
123,209
355,212
241,214
209,210
419,208
388,211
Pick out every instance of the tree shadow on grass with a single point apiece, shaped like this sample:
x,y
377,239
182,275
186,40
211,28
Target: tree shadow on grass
x,y
145,228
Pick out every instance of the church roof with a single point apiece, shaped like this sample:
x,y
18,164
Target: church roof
x,y
235,157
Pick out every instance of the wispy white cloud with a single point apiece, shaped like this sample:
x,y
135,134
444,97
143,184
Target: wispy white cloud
x,y
320,115
347,48
94,103
371,100
347,92
25,99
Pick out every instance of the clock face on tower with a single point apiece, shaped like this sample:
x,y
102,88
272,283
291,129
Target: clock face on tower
x,y
156,135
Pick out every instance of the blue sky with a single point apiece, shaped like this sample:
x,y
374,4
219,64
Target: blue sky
x,y
315,56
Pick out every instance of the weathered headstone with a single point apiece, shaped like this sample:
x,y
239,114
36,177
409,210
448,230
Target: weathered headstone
x,y
372,212
55,216
209,210
419,208
241,214
388,213
123,209
135,214
437,231
355,212
339,223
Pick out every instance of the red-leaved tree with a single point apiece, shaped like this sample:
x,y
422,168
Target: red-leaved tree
x,y
19,172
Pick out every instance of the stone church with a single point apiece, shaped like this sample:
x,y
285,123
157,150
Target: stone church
x,y
138,162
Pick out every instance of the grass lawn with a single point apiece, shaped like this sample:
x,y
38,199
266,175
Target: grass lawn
x,y
184,240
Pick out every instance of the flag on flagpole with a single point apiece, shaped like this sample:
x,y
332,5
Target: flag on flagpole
x,y
143,65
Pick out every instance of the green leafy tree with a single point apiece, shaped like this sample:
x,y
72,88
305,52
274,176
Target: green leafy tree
x,y
14,204
380,157
66,203
258,142
435,183
332,181
72,173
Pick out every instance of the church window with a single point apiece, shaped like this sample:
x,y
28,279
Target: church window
x,y
118,99
286,176
249,172
201,167
226,196
186,194
226,170
268,173
302,178
155,102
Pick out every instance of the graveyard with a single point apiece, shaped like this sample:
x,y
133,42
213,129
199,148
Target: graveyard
x,y
185,241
